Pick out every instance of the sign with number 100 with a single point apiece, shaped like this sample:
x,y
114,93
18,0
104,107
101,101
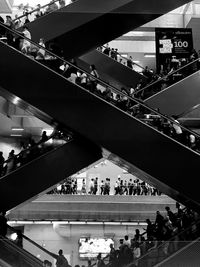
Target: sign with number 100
x,y
181,44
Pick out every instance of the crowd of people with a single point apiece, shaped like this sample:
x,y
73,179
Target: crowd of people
x,y
87,81
151,76
29,150
118,97
167,228
114,54
121,99
162,235
31,13
132,187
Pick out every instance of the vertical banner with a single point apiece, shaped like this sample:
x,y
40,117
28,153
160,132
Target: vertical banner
x,y
172,44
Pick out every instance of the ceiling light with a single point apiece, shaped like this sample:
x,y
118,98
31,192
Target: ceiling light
x,y
77,222
16,135
95,223
149,55
17,129
16,100
48,131
112,223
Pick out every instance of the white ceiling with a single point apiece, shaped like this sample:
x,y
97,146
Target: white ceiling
x,y
12,116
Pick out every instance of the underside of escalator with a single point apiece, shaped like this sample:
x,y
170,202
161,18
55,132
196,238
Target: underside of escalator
x,y
89,23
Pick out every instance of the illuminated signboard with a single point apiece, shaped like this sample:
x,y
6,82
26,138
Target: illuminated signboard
x,y
172,42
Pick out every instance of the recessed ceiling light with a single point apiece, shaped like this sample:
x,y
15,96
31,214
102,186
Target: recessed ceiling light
x,y
149,55
17,129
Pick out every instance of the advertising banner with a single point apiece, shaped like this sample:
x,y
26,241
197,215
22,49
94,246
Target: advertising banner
x,y
172,44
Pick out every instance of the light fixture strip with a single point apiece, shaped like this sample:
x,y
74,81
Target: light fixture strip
x,y
17,129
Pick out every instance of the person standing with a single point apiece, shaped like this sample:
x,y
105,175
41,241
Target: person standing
x,y
95,186
130,62
100,262
26,45
2,160
83,189
92,78
10,166
92,186
102,187
130,187
62,3
41,52
61,261
3,224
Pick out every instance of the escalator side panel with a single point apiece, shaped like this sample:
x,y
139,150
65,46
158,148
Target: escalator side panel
x,y
115,73
179,97
17,257
71,17
36,177
107,126
188,256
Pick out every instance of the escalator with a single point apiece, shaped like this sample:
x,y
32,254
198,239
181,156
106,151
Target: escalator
x,y
188,256
43,171
112,71
173,94
16,247
89,23
131,137
16,257
176,93
181,249
171,101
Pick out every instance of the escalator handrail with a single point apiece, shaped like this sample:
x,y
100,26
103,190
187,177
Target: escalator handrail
x,y
46,5
166,77
123,58
139,102
31,148
32,242
38,156
23,252
171,239
34,10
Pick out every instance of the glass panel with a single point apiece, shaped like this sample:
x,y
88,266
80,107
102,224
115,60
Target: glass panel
x,y
169,126
158,83
159,250
15,256
160,242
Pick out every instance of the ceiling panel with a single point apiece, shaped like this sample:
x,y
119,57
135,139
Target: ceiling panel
x,y
6,6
